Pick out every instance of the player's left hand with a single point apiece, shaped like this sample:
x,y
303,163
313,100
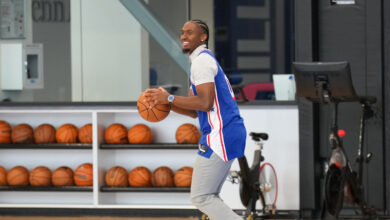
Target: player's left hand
x,y
156,96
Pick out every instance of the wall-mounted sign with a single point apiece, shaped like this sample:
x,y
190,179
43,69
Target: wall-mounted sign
x,y
51,11
12,19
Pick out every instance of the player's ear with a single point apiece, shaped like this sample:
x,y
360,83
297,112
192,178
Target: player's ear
x,y
203,37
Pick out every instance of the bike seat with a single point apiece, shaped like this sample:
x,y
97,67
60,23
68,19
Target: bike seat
x,y
259,136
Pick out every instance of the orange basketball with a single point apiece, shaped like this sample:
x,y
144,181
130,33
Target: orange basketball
x,y
40,176
45,133
17,176
155,114
62,176
140,134
116,134
85,134
183,177
5,132
140,177
83,175
162,177
187,134
3,176
22,133
116,176
67,133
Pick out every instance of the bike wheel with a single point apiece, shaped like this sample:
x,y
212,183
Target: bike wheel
x,y
334,189
268,184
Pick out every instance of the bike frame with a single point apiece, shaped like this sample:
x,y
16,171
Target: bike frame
x,y
249,187
350,177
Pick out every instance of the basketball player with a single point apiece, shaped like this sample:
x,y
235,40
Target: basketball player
x,y
212,100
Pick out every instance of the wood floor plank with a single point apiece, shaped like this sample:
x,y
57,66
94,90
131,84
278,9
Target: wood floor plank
x,y
92,218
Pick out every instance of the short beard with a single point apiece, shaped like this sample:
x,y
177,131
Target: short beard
x,y
185,50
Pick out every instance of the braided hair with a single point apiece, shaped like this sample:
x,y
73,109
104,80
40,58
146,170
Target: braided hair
x,y
204,28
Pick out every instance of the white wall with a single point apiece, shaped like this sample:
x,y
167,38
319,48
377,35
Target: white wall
x,y
204,10
109,54
109,59
281,150
55,37
168,72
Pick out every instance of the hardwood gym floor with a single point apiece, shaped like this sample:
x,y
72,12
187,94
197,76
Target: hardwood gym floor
x,y
90,218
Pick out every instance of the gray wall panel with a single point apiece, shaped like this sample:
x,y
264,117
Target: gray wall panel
x,y
303,41
386,82
353,33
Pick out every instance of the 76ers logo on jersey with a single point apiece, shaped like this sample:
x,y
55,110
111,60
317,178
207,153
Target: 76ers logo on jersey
x,y
230,88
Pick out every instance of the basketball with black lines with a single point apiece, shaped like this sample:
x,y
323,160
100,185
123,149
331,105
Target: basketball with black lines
x,y
5,132
116,134
117,176
187,134
152,114
140,134
83,175
18,176
22,134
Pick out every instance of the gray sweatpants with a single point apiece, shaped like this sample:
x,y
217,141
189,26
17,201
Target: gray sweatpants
x,y
207,180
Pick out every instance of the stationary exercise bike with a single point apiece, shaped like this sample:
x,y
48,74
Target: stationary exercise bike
x,y
343,184
257,183
331,83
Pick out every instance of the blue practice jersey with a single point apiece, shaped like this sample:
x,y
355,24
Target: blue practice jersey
x,y
223,130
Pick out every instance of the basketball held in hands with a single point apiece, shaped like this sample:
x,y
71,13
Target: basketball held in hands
x,y
152,114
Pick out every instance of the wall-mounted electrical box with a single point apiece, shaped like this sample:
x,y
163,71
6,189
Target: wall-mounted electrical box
x,y
33,66
21,66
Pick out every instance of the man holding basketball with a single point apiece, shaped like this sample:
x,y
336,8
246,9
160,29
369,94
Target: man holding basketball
x,y
212,100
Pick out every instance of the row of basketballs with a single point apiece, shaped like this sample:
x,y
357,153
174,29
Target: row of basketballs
x,y
116,176
141,134
141,176
44,133
68,133
42,176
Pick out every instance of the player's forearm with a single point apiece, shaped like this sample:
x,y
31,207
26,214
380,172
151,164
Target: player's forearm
x,y
193,103
191,113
